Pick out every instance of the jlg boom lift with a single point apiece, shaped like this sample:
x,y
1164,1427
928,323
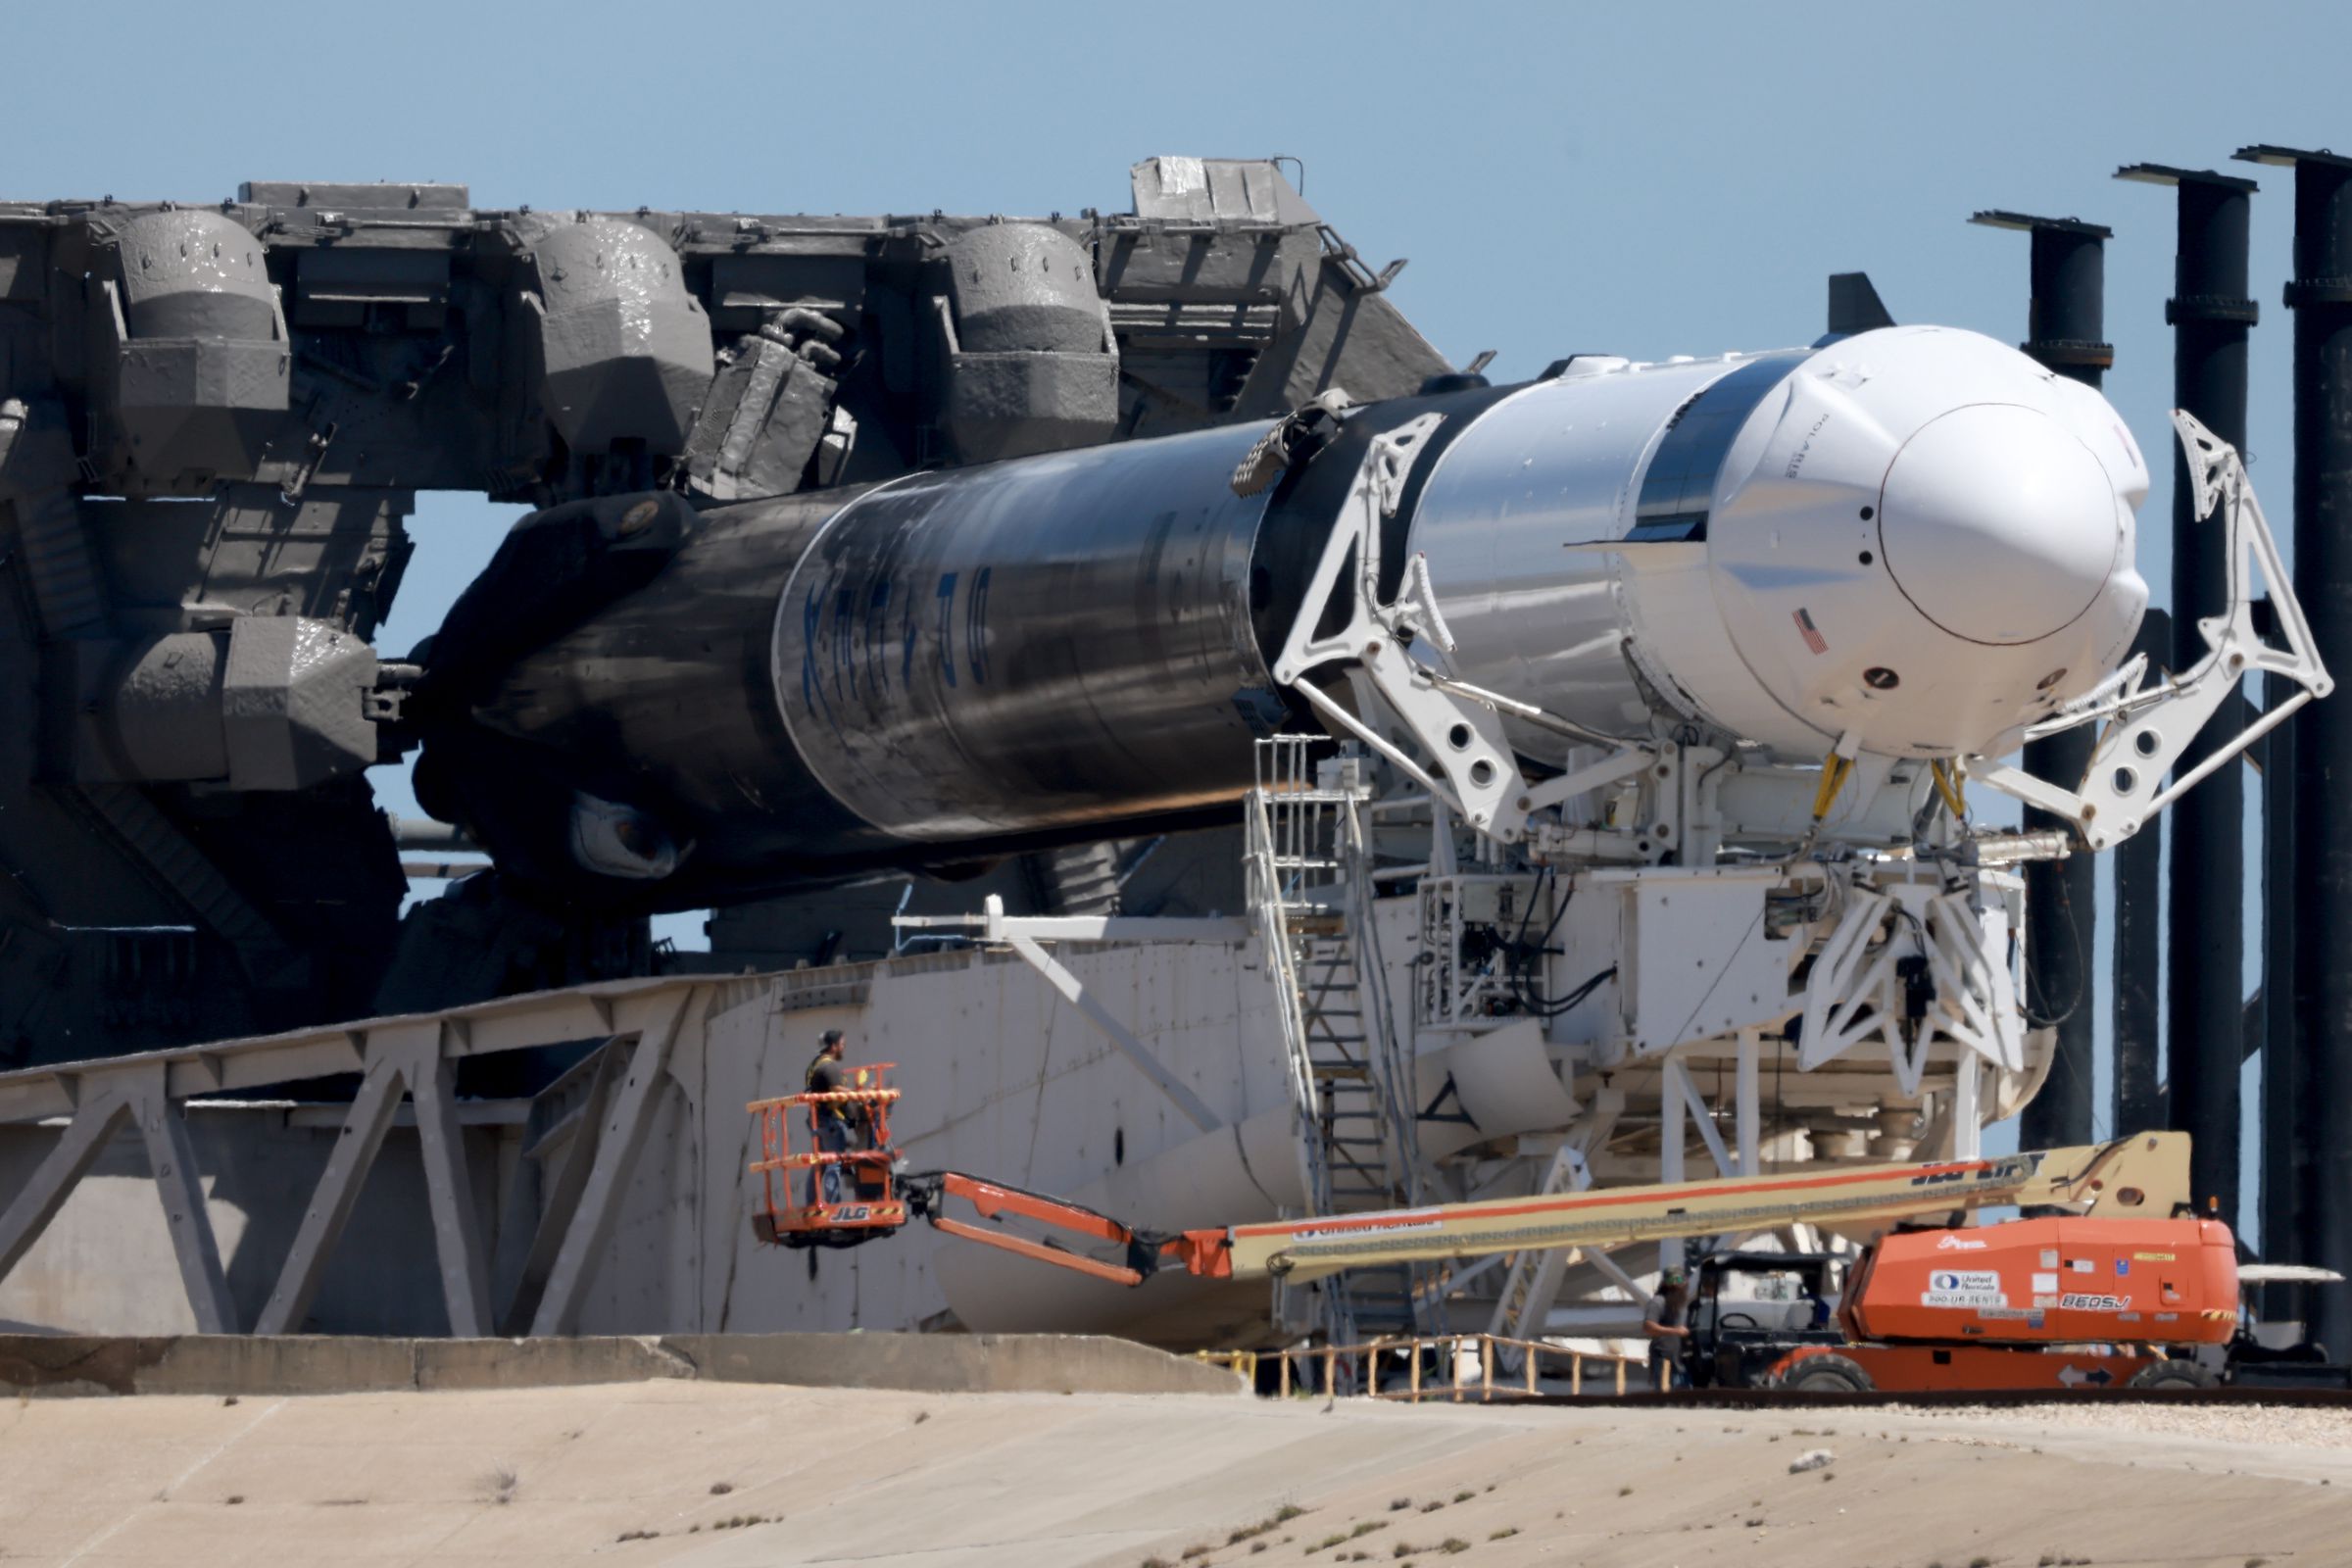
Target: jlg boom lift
x,y
2104,1277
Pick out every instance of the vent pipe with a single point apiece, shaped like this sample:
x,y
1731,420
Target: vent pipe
x,y
2305,1188
2211,316
2066,317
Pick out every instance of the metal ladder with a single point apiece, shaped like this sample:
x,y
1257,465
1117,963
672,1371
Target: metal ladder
x,y
1534,1281
1311,893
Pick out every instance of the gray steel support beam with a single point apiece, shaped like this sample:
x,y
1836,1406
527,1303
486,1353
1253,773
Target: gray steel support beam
x,y
571,1148
410,1056
449,1190
329,1210
619,1141
54,1179
171,1159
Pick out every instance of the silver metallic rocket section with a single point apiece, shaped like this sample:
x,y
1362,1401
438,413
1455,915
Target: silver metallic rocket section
x,y
1555,465
1031,645
1913,542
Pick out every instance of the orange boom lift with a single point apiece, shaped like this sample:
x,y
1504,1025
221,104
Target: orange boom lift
x,y
2108,1275
870,1208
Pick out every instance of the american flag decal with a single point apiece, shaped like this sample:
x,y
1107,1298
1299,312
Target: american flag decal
x,y
1809,632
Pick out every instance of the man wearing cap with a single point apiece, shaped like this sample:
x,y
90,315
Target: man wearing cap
x,y
833,1121
1666,1324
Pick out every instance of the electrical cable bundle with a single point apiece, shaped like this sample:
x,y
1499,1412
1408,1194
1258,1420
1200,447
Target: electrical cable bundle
x,y
1523,964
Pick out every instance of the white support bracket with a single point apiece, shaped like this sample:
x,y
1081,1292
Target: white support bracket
x,y
1748,1108
2149,729
1859,992
1474,772
1620,1276
1703,1116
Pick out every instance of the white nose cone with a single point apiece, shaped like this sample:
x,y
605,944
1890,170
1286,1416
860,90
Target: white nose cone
x,y
1921,542
2000,524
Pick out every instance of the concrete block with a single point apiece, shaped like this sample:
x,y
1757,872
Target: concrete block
x,y
950,1364
319,1363
540,1363
78,1363
204,1363
289,1363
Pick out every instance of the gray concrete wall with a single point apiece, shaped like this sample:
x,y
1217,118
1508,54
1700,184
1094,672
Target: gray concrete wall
x,y
51,1365
105,1264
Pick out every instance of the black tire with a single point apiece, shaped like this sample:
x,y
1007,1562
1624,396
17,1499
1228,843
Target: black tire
x,y
1827,1374
2173,1374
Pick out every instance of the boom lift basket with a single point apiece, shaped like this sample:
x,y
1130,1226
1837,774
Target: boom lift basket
x,y
794,1207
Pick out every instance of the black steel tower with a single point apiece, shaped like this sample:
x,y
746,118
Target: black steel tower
x,y
2066,324
2211,316
2311,1204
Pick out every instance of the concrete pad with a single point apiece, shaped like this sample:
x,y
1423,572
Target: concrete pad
x,y
722,1475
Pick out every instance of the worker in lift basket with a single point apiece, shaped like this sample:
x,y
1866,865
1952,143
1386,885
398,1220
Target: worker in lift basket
x,y
836,1123
1666,1322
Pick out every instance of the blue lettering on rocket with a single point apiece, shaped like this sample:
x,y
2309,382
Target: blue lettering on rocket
x,y
877,627
975,628
947,626
845,641
812,686
906,645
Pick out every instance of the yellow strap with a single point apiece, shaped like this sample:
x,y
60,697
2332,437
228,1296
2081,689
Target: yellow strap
x,y
1947,785
1833,772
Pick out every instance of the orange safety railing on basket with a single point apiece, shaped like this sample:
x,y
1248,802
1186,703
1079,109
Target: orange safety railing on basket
x,y
818,1196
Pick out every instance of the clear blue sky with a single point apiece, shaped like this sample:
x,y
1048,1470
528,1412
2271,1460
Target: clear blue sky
x,y
1635,179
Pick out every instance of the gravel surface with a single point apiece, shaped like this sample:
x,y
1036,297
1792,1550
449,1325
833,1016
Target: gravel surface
x,y
2220,1423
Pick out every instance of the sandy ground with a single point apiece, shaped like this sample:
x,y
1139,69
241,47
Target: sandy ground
x,y
719,1474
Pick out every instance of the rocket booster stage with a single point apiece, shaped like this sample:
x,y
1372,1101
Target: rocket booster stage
x,y
1909,542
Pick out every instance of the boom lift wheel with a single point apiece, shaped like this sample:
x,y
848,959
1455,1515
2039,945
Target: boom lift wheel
x,y
2173,1373
1826,1373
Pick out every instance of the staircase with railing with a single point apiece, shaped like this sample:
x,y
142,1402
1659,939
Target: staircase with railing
x,y
1310,892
